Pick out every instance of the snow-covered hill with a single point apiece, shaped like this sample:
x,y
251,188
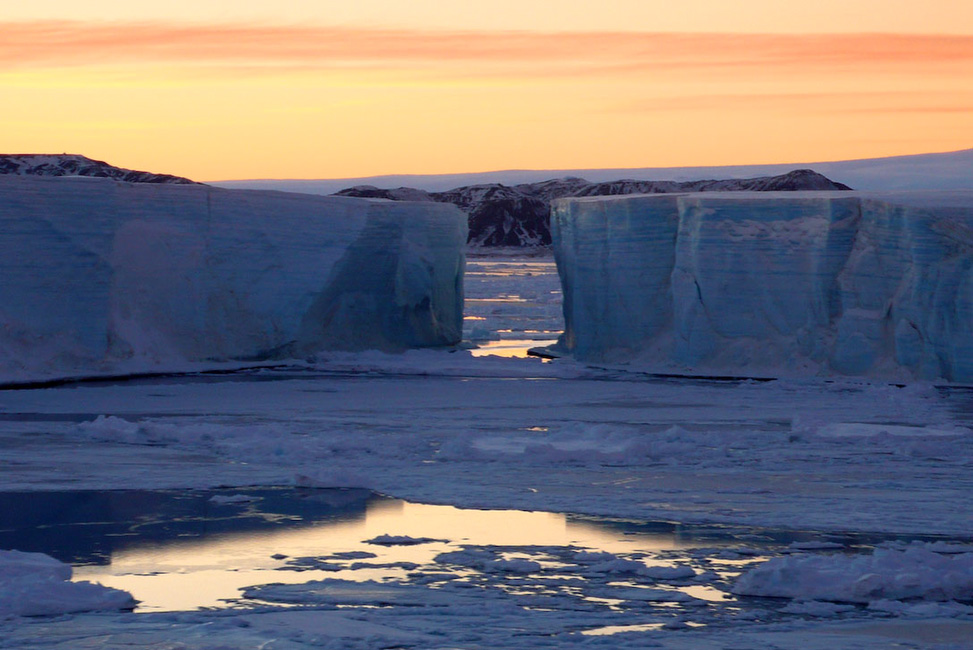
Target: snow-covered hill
x,y
75,165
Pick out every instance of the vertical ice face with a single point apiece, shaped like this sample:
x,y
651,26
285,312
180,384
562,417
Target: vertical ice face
x,y
615,259
98,273
771,283
398,285
752,288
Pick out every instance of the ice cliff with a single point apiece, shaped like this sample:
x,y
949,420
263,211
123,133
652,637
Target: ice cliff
x,y
99,275
771,284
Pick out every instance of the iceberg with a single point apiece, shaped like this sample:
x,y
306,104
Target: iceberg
x,y
101,276
776,284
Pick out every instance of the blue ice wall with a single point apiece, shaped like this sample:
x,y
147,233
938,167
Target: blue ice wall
x,y
771,284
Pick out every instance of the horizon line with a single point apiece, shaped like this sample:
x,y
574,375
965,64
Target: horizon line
x,y
600,169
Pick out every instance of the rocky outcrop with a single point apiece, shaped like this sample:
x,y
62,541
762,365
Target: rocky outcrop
x,y
75,165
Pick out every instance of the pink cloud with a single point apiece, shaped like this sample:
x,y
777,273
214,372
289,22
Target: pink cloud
x,y
62,43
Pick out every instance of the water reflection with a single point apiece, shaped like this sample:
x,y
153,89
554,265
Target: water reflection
x,y
512,297
285,547
92,526
177,550
510,348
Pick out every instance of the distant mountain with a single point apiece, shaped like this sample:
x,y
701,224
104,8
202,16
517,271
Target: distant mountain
x,y
799,179
520,215
75,165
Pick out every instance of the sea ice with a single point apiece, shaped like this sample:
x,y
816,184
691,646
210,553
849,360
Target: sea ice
x,y
818,608
773,284
34,584
400,540
890,573
102,276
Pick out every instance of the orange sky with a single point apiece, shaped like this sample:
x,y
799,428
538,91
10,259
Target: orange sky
x,y
320,90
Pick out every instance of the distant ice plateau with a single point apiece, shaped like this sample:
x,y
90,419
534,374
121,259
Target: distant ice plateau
x,y
102,276
929,171
512,207
771,284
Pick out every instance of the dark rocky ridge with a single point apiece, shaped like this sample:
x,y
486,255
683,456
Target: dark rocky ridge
x,y
75,165
520,215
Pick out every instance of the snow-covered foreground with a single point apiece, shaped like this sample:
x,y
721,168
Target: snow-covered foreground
x,y
444,427
450,428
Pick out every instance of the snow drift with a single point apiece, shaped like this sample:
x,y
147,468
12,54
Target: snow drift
x,y
100,275
34,584
917,571
861,284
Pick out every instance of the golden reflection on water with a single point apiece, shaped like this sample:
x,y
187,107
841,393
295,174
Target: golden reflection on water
x,y
510,348
191,573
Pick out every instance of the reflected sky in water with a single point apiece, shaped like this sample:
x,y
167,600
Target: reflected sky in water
x,y
177,550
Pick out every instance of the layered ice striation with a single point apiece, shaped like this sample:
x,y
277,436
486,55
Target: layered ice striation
x,y
100,275
780,284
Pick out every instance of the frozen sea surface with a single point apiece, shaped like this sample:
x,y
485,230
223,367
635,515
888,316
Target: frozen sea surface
x,y
441,427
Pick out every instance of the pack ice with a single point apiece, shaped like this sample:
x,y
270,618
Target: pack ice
x,y
781,283
99,275
34,584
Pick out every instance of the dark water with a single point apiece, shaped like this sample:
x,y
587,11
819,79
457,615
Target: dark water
x,y
89,526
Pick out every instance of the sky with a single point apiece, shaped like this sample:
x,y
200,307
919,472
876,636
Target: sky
x,y
219,90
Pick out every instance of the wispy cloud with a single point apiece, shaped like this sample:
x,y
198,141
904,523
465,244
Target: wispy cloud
x,y
61,43
863,101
